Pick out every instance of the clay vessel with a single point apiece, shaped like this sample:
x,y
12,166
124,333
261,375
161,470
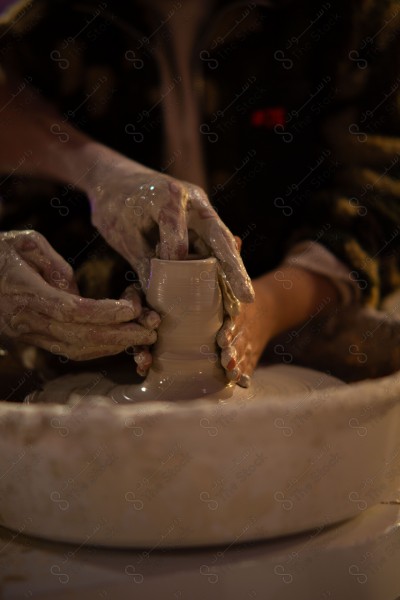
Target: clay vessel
x,y
187,296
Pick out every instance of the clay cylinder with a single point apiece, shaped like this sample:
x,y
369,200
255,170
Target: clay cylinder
x,y
187,296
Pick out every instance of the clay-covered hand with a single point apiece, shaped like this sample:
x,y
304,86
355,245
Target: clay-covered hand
x,y
143,213
277,308
40,305
242,344
244,334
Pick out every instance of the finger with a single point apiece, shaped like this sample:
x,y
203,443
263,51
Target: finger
x,y
229,358
132,295
143,360
122,335
226,334
238,243
142,268
135,249
149,319
66,307
205,221
60,305
238,374
172,223
244,380
146,317
233,375
79,341
237,360
42,257
84,310
68,352
200,248
246,362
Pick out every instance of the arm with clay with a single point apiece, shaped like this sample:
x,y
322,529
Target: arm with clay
x,y
129,204
284,299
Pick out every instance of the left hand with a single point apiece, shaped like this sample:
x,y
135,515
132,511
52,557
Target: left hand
x,y
40,305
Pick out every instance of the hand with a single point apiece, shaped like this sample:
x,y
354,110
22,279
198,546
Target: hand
x,y
277,308
142,213
40,305
243,338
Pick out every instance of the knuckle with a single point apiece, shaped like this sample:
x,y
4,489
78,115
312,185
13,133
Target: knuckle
x,y
16,324
32,237
60,349
176,187
222,340
68,270
29,240
200,195
33,234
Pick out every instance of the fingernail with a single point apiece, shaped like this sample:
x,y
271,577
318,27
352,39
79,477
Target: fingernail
x,y
174,187
231,364
244,381
233,375
139,358
228,355
152,319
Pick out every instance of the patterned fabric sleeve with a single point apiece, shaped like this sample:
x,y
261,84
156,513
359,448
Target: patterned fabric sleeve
x,y
361,132
314,257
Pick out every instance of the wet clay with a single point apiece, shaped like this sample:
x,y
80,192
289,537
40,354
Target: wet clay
x,y
186,364
187,296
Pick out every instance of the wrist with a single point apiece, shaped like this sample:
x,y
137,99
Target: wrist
x,y
96,163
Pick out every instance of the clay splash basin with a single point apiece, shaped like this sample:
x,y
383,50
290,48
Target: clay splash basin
x,y
92,462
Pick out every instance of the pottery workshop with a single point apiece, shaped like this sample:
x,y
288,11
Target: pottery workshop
x,y
200,299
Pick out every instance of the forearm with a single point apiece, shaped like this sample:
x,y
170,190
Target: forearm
x,y
37,141
34,140
288,296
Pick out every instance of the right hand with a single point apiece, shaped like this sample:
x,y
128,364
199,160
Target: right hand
x,y
142,213
40,305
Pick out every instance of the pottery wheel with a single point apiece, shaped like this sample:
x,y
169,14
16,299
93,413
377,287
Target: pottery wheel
x,y
297,450
183,459
268,384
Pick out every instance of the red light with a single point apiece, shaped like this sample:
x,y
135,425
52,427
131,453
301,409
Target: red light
x,y
269,117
